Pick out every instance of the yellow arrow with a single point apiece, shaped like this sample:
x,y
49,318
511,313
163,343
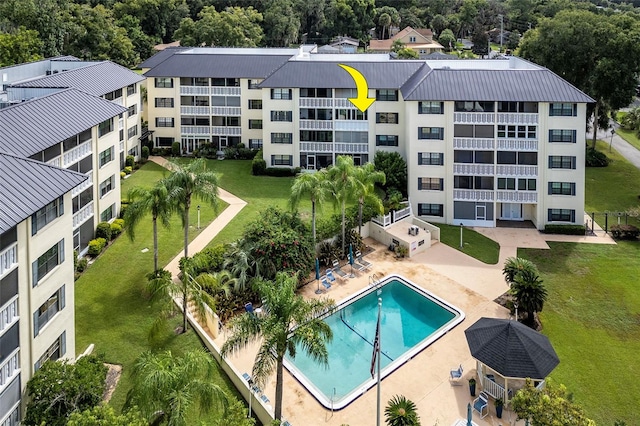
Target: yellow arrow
x,y
363,101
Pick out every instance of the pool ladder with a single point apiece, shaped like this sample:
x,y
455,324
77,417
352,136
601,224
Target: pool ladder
x,y
374,281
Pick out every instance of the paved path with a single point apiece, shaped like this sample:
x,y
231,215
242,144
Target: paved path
x,y
625,149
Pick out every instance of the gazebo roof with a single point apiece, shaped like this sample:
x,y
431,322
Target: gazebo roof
x,y
511,349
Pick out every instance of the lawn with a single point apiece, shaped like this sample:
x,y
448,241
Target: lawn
x,y
474,244
111,311
630,136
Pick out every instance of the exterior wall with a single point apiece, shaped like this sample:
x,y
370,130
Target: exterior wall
x,y
101,174
154,92
132,144
270,127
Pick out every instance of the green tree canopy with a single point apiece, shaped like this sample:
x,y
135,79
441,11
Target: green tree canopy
x,y
281,23
447,39
395,170
233,27
158,18
104,415
19,46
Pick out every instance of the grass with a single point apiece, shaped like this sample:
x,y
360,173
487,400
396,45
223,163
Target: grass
x,y
474,244
630,136
110,309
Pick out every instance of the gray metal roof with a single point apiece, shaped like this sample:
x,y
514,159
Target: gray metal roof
x,y
32,126
28,185
525,85
98,79
379,75
161,56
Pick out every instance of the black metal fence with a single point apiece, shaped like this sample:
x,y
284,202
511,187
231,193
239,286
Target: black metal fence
x,y
608,218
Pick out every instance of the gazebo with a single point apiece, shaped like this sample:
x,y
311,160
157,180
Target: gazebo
x,y
507,353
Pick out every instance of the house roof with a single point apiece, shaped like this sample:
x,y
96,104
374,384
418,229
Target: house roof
x,y
161,56
29,185
32,126
385,45
97,79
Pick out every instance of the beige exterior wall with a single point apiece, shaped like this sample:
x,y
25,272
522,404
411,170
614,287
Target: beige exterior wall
x,y
101,174
154,92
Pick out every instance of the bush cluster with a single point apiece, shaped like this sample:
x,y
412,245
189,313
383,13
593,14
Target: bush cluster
x,y
145,154
565,229
96,246
239,152
103,230
625,232
116,228
258,165
129,161
175,149
127,170
596,158
163,152
281,171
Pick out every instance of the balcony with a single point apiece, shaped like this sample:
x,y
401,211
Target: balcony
x,y
516,170
316,102
517,144
473,169
474,117
9,369
195,130
343,103
82,215
76,154
195,110
352,125
472,195
194,90
352,148
9,314
316,125
8,258
517,196
56,162
226,131
516,118
84,185
316,147
473,143
219,110
225,91
118,101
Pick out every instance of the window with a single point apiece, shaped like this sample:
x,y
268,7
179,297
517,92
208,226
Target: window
x,y
431,133
316,135
352,137
412,39
54,352
106,186
194,121
387,117
430,158
164,102
105,127
561,215
113,95
463,156
281,116
506,157
131,89
255,124
280,93
526,107
474,106
315,93
132,131
430,184
255,103
351,114
562,136
164,82
282,160
48,310
386,140
507,183
316,114
472,131
165,121
253,84
483,157
49,260
562,162
194,81
225,82
522,132
164,141
431,107
526,184
219,101
107,214
132,110
563,110
285,138
528,158
562,188
46,215
430,209
106,156
255,143
386,95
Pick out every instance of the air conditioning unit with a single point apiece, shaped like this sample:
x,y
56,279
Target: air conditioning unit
x,y
414,230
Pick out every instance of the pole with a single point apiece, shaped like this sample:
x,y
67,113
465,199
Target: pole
x,y
501,31
461,243
378,355
613,132
198,217
249,383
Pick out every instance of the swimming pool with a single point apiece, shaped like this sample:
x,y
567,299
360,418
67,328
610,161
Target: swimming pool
x,y
411,320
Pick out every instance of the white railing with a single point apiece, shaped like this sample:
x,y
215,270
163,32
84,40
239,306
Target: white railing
x,y
194,90
9,368
316,124
383,220
228,131
220,110
343,103
225,91
118,101
518,144
493,388
9,314
8,258
195,130
516,118
352,125
352,148
195,110
474,117
402,213
82,215
84,185
57,162
316,147
472,195
473,169
516,170
472,143
77,153
316,102
517,196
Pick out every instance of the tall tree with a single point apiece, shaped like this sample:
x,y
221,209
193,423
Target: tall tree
x,y
438,24
447,39
529,292
281,23
343,186
395,171
365,179
350,17
290,323
19,46
384,20
158,18
233,27
313,186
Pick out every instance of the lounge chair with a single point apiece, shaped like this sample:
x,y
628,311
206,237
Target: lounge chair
x,y
455,375
330,277
264,398
324,283
337,270
481,404
363,262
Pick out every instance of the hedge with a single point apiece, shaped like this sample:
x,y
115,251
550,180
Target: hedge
x,y
565,229
625,232
96,246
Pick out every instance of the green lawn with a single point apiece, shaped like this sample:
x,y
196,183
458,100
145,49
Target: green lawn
x,y
110,309
630,136
474,244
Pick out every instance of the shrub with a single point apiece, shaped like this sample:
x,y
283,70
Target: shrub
x,y
82,265
122,175
211,259
258,165
175,149
625,232
281,171
565,229
116,229
129,161
128,170
327,251
96,246
145,154
401,251
596,158
103,230
119,222
124,205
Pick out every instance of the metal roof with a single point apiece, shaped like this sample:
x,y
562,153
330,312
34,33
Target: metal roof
x,y
33,126
97,79
524,85
161,56
28,185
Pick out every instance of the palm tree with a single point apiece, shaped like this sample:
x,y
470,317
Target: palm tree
x,y
289,323
366,177
155,201
384,20
514,265
242,264
529,292
341,176
191,181
401,411
313,186
165,387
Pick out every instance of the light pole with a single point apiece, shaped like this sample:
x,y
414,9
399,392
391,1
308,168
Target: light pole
x,y
461,243
198,216
515,305
613,132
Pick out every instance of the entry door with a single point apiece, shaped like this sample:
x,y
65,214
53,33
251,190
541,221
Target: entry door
x,y
512,211
311,162
481,213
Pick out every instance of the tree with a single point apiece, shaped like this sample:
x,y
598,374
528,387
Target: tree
x,y
352,17
447,39
313,186
439,23
155,201
395,171
365,179
514,40
384,20
142,43
281,23
104,415
19,46
548,406
165,386
407,53
514,265
480,41
409,18
289,324
342,185
59,388
401,411
158,18
233,27
529,292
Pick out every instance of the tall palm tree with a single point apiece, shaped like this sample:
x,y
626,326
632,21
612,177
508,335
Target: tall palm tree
x,y
313,186
365,178
288,324
384,20
193,180
514,265
165,386
341,176
529,292
401,411
155,201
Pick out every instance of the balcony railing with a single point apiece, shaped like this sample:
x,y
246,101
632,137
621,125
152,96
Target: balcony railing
x,y
517,144
56,162
352,125
316,125
82,215
219,110
472,195
517,196
195,130
195,110
225,91
352,148
84,185
343,103
9,314
474,117
316,102
516,170
118,101
8,258
516,118
9,369
473,169
473,143
194,90
316,147
226,131
77,153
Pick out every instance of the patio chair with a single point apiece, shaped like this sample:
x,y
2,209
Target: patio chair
x,y
264,398
330,277
481,404
363,262
455,376
324,283
337,270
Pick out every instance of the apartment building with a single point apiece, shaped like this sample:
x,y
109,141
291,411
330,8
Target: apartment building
x,y
484,140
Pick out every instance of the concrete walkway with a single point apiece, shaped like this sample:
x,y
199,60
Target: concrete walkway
x,y
625,149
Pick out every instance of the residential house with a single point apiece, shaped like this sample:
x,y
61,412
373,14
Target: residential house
x,y
420,40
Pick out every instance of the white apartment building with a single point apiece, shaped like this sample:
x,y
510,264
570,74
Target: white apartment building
x,y
484,140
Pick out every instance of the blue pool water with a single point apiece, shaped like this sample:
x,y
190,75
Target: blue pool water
x,y
411,320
